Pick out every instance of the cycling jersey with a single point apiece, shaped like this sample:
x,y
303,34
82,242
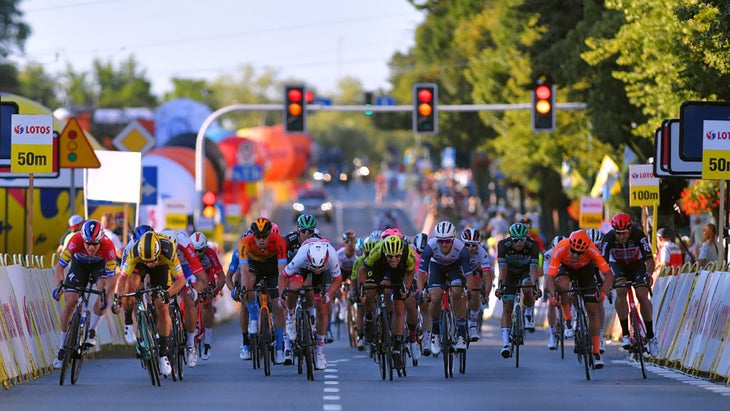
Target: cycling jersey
x,y
233,266
75,250
292,244
518,260
479,262
346,263
457,255
356,266
211,263
167,260
561,256
376,260
300,262
275,250
636,248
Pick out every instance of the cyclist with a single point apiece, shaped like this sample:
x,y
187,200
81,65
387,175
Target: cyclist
x,y
446,259
552,341
628,252
315,264
517,257
306,229
243,312
389,263
155,256
92,257
121,283
216,280
597,240
195,281
419,244
261,257
573,259
481,272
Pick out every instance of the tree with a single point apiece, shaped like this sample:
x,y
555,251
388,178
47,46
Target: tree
x,y
13,31
37,85
125,87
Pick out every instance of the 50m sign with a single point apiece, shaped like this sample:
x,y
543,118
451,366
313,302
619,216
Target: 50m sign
x,y
32,144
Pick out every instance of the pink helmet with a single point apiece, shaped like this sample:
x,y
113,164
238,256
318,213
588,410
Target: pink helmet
x,y
392,231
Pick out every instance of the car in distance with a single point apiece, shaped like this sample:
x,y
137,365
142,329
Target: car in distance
x,y
314,202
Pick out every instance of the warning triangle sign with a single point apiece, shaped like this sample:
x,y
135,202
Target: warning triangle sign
x,y
76,152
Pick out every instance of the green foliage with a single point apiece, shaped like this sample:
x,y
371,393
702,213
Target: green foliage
x,y
37,85
13,31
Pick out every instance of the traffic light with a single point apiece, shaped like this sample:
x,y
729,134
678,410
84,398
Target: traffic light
x,y
209,199
543,107
295,109
368,102
425,115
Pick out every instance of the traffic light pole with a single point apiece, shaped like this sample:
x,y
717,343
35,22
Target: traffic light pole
x,y
200,139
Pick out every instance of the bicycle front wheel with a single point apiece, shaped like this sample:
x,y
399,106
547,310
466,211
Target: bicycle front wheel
x,y
176,351
559,331
265,341
308,347
77,357
518,332
387,342
585,347
638,342
447,329
70,343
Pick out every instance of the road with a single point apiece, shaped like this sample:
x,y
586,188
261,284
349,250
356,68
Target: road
x,y
352,382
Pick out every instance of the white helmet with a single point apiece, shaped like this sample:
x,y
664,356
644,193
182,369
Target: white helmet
x,y
419,241
376,234
318,254
445,229
199,241
556,240
595,236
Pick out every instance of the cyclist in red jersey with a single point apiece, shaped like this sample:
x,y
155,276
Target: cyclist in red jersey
x,y
261,256
574,258
92,256
216,280
628,251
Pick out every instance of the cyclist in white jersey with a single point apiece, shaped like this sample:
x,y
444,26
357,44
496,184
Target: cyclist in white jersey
x,y
446,259
480,271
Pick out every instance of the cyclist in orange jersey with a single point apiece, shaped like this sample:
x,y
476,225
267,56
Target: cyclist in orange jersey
x,y
574,258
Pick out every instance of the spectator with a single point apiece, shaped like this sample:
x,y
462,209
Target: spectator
x,y
709,251
74,225
497,226
119,226
107,223
668,253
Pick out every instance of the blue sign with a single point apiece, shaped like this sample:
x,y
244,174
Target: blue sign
x,y
385,101
149,185
322,101
247,173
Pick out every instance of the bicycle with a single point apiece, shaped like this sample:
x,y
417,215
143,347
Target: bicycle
x,y
303,345
449,335
148,348
264,339
583,345
637,332
75,346
559,328
178,341
351,315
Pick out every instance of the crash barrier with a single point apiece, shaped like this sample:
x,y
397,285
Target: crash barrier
x,y
30,325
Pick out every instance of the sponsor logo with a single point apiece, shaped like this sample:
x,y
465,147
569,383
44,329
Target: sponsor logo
x,y
717,135
642,175
19,129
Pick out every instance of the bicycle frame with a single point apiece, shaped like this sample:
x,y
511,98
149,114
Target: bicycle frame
x,y
637,331
303,345
583,341
148,349
449,334
265,329
78,332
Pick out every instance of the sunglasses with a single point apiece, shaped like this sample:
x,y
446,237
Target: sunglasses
x,y
472,245
445,241
519,240
305,231
392,256
93,244
621,232
261,237
576,252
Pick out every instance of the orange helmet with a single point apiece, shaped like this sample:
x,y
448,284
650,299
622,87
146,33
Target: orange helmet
x,y
579,241
261,227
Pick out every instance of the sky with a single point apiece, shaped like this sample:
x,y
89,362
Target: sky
x,y
317,41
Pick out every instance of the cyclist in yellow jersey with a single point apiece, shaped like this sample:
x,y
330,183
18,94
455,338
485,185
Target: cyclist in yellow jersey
x,y
392,263
155,256
367,247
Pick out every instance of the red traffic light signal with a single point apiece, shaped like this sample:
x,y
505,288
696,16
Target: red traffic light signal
x,y
209,199
425,115
295,112
543,107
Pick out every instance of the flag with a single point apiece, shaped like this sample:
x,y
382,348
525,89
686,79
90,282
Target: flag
x,y
570,178
607,179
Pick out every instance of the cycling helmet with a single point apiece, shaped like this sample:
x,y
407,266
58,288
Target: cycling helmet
x,y
92,232
307,222
518,230
470,235
171,235
199,241
358,244
317,254
526,221
139,230
445,229
391,231
621,221
419,241
595,236
392,245
556,240
275,228
579,241
261,227
368,245
349,235
148,247
376,235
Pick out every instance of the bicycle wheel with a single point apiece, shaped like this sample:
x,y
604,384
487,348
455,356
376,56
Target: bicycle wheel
x,y
265,341
462,362
69,343
387,342
518,330
254,344
585,346
154,347
299,343
380,347
308,347
176,351
637,340
447,329
559,331
77,357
